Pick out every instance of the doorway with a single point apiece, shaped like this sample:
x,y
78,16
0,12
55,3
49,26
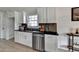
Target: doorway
x,y
10,32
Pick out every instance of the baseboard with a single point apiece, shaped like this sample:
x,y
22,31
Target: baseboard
x,y
10,38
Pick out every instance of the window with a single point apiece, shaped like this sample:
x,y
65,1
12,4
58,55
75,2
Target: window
x,y
33,21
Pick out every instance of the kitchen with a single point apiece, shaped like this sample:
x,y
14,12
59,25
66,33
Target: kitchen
x,y
42,32
39,28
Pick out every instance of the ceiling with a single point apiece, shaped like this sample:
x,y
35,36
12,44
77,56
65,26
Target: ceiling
x,y
27,9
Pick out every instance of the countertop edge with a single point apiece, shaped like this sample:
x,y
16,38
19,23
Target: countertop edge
x,y
50,33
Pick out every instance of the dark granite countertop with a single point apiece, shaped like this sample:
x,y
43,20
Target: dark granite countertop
x,y
51,33
45,32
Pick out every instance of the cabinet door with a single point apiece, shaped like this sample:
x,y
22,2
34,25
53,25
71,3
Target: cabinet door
x,y
42,14
24,38
27,39
51,15
62,42
18,37
50,43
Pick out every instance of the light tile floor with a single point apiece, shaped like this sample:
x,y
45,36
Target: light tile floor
x,y
10,46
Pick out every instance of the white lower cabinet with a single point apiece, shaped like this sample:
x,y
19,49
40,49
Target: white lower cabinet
x,y
27,39
24,38
62,42
50,43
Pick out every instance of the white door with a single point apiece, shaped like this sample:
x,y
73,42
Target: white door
x,y
11,27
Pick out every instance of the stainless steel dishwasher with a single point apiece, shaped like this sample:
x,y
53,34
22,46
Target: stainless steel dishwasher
x,y
38,42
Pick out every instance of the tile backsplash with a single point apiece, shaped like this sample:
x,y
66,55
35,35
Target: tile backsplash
x,y
51,27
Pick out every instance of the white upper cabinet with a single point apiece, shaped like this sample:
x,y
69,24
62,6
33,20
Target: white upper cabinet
x,y
18,20
41,14
24,17
51,18
46,15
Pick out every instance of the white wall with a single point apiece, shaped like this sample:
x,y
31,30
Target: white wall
x,y
10,28
64,23
18,15
5,25
63,17
1,25
8,31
